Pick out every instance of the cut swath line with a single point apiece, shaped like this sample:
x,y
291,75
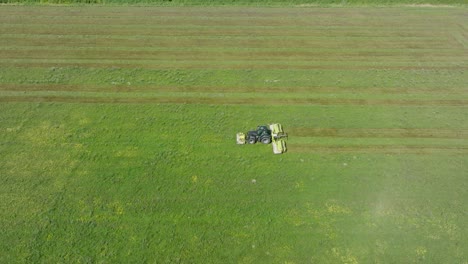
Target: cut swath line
x,y
243,89
211,65
212,31
236,101
226,54
384,149
379,133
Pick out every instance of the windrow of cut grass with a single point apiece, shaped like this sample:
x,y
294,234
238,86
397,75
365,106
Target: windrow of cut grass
x,y
260,91
231,39
117,134
277,3
348,79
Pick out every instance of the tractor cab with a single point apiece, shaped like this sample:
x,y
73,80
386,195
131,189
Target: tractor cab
x,y
262,134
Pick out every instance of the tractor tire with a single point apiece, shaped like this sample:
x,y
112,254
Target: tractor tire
x,y
266,140
252,140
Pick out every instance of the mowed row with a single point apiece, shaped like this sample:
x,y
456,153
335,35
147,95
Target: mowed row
x,y
374,57
215,38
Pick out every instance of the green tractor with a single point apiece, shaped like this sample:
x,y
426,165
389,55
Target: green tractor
x,y
272,133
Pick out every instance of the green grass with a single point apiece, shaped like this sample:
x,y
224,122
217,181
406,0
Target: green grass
x,y
117,141
120,182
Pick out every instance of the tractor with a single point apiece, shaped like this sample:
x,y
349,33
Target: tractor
x,y
265,134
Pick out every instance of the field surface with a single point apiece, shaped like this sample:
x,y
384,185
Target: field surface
x,y
117,135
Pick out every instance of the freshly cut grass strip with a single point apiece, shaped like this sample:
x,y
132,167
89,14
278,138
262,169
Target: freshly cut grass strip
x,y
237,101
379,132
385,149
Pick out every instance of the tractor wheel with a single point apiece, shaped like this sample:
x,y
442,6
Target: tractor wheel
x,y
252,140
266,140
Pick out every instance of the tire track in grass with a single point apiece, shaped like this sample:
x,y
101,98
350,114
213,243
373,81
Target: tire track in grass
x,y
236,101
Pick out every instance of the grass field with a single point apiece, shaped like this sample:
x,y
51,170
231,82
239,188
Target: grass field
x,y
117,135
257,3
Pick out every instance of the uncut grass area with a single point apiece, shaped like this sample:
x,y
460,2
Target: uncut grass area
x,y
117,135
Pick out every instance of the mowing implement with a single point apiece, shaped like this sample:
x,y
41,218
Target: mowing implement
x,y
265,134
